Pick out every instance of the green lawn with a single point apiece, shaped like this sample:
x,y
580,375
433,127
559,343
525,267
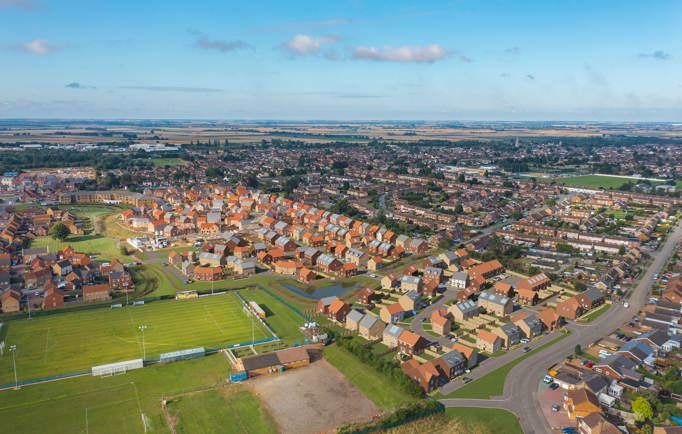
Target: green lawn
x,y
375,385
74,341
172,162
282,319
104,248
228,409
596,313
487,420
110,404
492,384
596,181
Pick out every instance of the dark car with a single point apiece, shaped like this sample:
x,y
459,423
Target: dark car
x,y
466,380
526,349
554,386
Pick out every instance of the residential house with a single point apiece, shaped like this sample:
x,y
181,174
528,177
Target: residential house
x,y
371,327
409,301
510,334
440,322
391,334
464,311
590,299
392,313
338,311
580,402
492,303
488,341
353,319
411,344
410,283
94,293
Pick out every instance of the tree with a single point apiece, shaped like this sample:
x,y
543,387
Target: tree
x,y
59,231
642,409
578,351
579,286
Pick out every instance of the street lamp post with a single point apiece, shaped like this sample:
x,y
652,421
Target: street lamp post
x,y
144,349
13,349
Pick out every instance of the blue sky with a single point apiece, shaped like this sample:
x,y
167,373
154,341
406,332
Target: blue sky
x,y
345,60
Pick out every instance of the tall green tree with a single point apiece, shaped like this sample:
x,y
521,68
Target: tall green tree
x,y
59,231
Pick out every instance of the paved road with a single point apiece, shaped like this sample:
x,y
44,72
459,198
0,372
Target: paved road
x,y
521,385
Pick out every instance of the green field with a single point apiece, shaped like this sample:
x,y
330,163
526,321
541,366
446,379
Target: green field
x,y
93,244
279,317
109,404
172,162
492,384
375,385
74,341
228,409
596,181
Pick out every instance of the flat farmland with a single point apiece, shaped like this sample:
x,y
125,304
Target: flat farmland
x,y
74,341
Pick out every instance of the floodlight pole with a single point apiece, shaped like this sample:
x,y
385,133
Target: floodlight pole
x,y
28,303
13,349
144,349
211,285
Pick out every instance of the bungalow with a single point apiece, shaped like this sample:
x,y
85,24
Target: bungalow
x,y
392,313
410,343
580,403
618,367
488,341
636,350
391,334
371,327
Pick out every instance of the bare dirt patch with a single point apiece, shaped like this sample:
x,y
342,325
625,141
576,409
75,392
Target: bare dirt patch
x,y
314,399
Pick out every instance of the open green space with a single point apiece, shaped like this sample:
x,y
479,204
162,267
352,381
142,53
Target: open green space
x,y
463,420
596,181
375,385
93,244
74,341
281,318
113,404
492,384
172,162
596,313
227,409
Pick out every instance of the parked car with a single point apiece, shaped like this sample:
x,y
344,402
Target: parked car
x,y
556,407
568,430
548,379
526,349
466,380
554,386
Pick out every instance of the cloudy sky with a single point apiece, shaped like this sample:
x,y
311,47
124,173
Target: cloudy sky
x,y
346,60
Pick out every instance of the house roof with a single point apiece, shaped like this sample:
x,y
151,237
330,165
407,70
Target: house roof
x,y
410,338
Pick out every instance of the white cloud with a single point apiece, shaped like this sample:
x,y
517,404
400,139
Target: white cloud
x,y
304,45
40,47
428,54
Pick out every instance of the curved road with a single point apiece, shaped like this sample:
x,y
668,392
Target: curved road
x,y
521,384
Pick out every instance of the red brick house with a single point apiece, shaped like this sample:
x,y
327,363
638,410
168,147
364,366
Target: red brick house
x,y
410,343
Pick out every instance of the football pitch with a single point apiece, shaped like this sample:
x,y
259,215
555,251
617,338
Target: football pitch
x,y
75,341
